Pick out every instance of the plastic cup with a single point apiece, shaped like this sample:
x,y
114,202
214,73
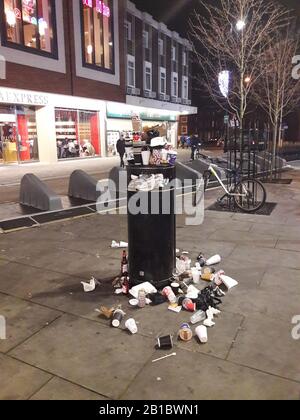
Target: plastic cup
x,y
130,324
201,333
196,276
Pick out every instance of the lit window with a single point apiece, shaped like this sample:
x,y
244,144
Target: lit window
x,y
148,77
30,24
130,71
98,41
161,46
184,58
185,88
146,39
163,84
173,52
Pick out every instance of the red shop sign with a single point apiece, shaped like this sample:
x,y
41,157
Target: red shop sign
x,y
100,6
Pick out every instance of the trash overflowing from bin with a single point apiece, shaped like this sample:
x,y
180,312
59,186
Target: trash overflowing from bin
x,y
184,293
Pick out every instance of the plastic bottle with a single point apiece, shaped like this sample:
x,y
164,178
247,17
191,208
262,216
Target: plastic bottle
x,y
198,317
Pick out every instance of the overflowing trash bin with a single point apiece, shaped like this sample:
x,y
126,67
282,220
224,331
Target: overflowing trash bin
x,y
151,224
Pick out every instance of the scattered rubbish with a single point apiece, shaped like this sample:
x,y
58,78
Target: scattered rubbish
x,y
125,285
158,379
162,358
180,266
148,287
199,316
118,316
228,281
216,259
157,299
107,312
141,298
185,332
168,292
175,287
196,275
175,308
133,302
201,260
209,323
130,324
201,333
165,343
117,245
192,292
188,305
148,182
207,276
118,291
91,286
177,251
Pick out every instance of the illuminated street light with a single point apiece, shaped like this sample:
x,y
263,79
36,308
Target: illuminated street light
x,y
240,25
247,79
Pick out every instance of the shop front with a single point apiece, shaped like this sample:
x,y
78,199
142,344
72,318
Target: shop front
x,y
37,127
131,121
18,134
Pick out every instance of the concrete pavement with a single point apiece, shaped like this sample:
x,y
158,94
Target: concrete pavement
x,y
58,348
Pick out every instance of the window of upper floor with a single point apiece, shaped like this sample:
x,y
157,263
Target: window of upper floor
x,y
161,46
130,71
185,87
175,85
128,30
98,34
162,81
184,58
148,77
146,37
29,25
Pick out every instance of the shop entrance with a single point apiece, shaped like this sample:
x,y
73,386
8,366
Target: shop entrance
x,y
18,134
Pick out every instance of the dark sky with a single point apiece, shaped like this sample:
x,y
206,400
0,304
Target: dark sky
x,y
175,13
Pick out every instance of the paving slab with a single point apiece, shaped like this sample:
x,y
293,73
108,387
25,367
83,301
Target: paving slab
x,y
18,380
60,390
281,231
103,360
264,240
266,344
23,319
267,256
194,376
289,244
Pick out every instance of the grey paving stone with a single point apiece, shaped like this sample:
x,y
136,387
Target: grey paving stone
x,y
59,390
290,233
18,380
289,244
23,319
104,360
267,344
194,376
264,240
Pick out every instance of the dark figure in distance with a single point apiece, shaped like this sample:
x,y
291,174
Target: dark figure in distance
x,y
121,150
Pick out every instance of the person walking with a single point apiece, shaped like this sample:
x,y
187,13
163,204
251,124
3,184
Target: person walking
x,y
121,150
194,145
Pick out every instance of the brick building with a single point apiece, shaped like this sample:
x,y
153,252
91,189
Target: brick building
x,y
64,79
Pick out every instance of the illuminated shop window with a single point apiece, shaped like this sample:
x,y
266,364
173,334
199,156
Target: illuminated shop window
x,y
30,25
98,40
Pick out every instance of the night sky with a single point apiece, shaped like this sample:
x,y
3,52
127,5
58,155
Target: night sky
x,y
175,13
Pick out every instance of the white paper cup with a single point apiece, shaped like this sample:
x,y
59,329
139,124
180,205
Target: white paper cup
x,y
146,157
130,324
216,259
196,276
201,333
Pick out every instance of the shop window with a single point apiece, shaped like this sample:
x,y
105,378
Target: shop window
x,y
30,25
77,134
18,134
97,29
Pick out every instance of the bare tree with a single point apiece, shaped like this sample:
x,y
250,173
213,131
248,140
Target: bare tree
x,y
277,92
229,40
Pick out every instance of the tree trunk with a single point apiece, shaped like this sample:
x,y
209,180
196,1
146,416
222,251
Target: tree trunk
x,y
275,138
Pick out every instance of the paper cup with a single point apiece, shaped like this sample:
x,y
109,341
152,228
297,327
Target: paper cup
x,y
117,318
196,276
175,287
165,343
216,259
130,324
201,333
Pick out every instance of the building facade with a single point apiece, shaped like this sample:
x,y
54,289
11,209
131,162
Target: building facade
x,y
64,78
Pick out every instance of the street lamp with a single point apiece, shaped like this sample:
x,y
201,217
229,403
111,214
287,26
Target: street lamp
x,y
247,80
240,25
